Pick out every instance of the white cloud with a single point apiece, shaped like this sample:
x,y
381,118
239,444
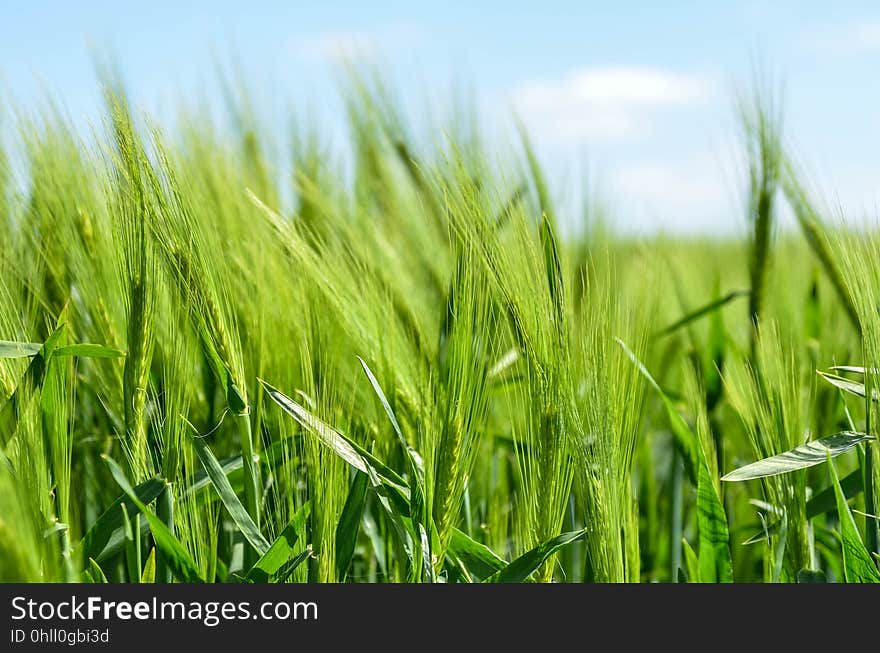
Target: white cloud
x,y
855,38
684,196
866,36
617,85
345,45
610,103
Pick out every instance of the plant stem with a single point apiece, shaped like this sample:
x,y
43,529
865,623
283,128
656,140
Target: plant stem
x,y
165,512
251,480
675,531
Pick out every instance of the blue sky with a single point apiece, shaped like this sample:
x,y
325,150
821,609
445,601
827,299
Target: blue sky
x,y
641,95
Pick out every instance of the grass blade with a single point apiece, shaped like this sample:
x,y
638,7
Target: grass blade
x,y
294,562
806,455
480,561
97,574
529,562
328,435
692,563
857,564
349,451
149,574
349,524
281,552
416,465
96,539
695,315
200,480
779,554
847,385
826,500
90,351
132,564
19,349
178,559
713,535
32,379
236,510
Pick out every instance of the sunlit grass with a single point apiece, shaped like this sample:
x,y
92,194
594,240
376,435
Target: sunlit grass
x,y
410,372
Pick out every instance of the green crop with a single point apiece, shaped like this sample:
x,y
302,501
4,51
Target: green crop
x,y
408,363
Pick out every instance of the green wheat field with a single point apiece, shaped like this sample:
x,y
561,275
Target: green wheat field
x,y
408,364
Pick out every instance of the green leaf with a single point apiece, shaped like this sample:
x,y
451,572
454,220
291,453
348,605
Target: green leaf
x,y
377,542
703,311
480,561
95,541
131,558
857,564
200,480
826,500
384,401
295,562
175,555
28,349
90,351
19,349
149,574
713,535
30,381
806,455
349,524
227,495
96,572
329,436
691,563
349,451
281,552
427,559
856,369
524,566
847,385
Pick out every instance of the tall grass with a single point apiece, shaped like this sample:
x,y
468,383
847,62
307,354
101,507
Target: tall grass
x,y
410,364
